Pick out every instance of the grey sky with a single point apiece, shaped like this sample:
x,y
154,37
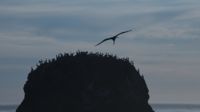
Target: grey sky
x,y
165,45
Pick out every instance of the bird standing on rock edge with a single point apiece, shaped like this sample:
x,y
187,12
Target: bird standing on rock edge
x,y
113,38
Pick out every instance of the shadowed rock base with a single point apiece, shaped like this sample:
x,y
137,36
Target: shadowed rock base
x,y
85,82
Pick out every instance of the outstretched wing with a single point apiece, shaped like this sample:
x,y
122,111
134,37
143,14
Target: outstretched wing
x,y
103,41
123,32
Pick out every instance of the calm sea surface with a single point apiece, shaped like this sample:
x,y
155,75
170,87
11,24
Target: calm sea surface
x,y
156,107
176,108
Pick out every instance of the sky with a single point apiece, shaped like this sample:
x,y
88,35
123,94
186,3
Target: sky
x,y
165,45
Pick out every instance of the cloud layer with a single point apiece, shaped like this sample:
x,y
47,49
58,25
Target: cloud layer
x,y
165,45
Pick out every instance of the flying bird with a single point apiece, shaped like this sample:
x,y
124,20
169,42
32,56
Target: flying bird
x,y
113,38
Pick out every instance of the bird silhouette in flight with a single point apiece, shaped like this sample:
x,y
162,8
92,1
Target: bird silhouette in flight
x,y
113,38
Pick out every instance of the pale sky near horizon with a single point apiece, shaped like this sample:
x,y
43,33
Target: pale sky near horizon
x,y
165,45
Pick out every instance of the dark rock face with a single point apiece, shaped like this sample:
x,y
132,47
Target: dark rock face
x,y
85,82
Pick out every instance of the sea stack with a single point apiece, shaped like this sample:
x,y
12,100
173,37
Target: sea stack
x,y
85,82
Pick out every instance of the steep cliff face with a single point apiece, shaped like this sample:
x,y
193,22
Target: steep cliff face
x,y
85,82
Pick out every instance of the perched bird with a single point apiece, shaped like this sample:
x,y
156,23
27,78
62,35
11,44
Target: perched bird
x,y
113,38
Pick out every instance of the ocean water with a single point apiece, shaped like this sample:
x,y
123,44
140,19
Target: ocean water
x,y
156,107
8,108
176,107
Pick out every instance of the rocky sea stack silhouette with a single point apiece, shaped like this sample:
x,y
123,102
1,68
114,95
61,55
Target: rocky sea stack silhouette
x,y
85,82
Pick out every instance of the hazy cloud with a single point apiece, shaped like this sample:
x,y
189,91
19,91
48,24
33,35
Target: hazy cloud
x,y
165,45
